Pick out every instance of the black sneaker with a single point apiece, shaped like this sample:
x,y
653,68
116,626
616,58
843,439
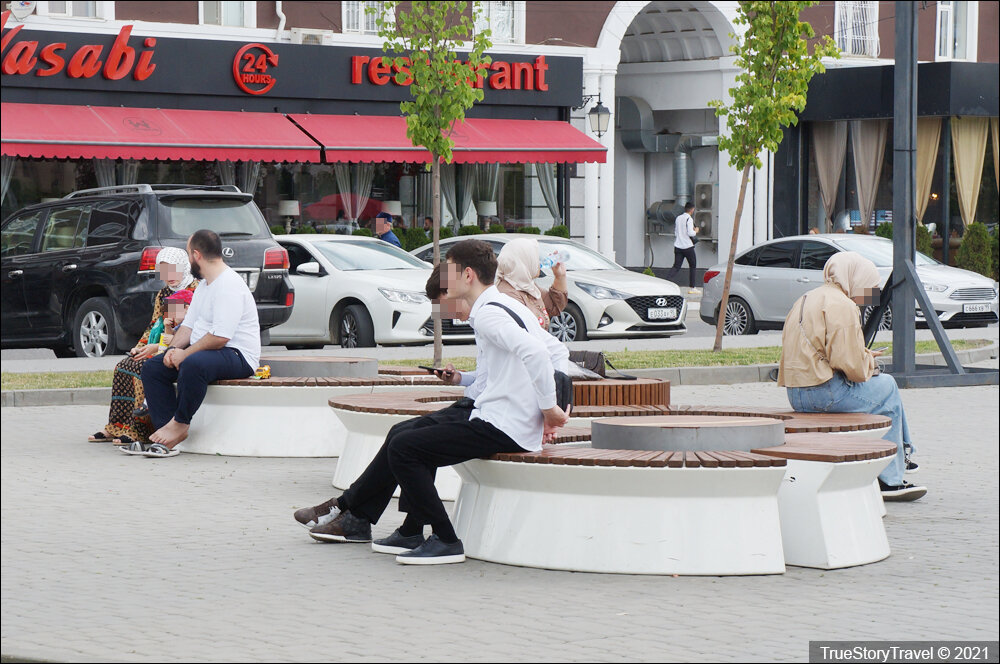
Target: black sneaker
x,y
345,527
904,492
397,543
320,515
434,552
911,465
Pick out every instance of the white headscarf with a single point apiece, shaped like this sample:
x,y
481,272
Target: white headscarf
x,y
179,259
518,265
852,273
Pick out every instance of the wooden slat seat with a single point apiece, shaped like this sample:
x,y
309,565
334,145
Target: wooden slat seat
x,y
830,449
586,456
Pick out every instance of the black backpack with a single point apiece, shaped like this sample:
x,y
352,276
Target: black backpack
x,y
564,385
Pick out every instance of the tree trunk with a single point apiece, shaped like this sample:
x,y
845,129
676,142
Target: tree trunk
x,y
436,232
721,322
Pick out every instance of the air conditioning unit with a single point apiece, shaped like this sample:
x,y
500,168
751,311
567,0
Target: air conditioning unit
x,y
315,37
706,203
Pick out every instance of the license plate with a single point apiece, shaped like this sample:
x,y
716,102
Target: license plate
x,y
662,313
459,321
250,279
975,308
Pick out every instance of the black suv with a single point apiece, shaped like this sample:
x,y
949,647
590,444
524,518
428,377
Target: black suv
x,y
79,273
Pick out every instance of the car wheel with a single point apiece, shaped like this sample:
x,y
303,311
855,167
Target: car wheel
x,y
885,323
304,346
94,332
356,328
569,325
739,318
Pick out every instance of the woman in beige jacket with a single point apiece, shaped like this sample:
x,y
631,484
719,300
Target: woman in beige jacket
x,y
826,367
518,267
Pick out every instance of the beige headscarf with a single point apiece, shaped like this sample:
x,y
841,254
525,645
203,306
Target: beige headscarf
x,y
852,273
518,265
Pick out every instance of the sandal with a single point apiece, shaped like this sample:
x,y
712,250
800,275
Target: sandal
x,y
134,448
159,451
99,437
123,440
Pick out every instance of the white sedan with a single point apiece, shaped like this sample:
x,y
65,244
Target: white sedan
x,y
356,292
605,299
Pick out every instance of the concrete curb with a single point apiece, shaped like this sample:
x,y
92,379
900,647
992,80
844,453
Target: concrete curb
x,y
752,373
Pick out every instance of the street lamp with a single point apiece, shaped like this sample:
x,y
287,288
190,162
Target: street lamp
x,y
599,116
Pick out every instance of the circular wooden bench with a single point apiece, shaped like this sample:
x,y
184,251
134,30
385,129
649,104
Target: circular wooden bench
x,y
807,502
283,417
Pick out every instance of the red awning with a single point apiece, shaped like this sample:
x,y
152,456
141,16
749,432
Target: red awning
x,y
73,132
361,138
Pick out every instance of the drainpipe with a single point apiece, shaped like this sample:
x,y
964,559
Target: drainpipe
x,y
281,19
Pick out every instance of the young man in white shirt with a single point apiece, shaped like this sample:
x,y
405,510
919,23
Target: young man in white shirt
x,y
218,340
515,410
684,231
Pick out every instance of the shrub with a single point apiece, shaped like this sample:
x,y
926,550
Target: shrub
x,y
413,238
278,229
884,230
497,228
924,242
649,272
996,252
975,252
559,230
367,232
470,230
530,230
305,230
446,233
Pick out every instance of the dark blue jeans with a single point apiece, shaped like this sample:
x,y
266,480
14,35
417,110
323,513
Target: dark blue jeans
x,y
196,372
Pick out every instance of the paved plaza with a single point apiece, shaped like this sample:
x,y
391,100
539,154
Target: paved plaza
x,y
107,557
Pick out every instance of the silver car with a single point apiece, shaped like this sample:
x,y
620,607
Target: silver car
x,y
770,277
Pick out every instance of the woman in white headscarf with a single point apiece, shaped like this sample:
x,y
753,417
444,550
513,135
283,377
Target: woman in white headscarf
x,y
124,423
518,267
826,366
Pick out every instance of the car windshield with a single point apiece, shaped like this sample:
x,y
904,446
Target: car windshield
x,y
580,257
352,255
877,250
180,217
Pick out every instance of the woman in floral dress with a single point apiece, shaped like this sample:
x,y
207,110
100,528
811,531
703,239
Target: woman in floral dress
x,y
124,424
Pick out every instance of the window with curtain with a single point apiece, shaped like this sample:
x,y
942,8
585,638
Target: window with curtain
x,y
228,13
856,28
78,9
956,30
503,19
356,18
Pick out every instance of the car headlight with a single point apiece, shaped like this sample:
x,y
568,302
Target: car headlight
x,y
403,297
602,293
935,288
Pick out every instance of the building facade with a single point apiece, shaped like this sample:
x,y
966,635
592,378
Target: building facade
x,y
656,65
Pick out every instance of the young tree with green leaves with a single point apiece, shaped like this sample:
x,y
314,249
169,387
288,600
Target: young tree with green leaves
x,y
776,65
424,38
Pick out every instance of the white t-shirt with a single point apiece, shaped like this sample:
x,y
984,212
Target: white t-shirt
x,y
683,231
225,308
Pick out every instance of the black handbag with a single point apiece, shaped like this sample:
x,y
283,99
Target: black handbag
x,y
564,384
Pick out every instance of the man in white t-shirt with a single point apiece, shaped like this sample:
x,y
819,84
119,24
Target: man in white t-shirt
x,y
218,340
684,233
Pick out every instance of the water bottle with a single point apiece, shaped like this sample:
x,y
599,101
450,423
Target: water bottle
x,y
557,256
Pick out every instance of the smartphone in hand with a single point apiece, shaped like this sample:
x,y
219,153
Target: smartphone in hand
x,y
881,350
430,370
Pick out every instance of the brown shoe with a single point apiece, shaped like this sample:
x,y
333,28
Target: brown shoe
x,y
321,514
344,528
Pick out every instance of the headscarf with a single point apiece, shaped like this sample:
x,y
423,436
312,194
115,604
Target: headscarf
x,y
179,259
852,273
518,265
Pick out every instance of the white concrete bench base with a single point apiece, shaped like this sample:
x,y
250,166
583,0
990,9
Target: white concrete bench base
x,y
692,521
271,421
365,435
831,516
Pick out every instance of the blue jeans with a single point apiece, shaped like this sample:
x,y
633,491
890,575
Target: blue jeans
x,y
878,395
196,372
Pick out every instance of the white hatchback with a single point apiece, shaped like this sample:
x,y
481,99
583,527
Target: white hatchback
x,y
605,299
357,292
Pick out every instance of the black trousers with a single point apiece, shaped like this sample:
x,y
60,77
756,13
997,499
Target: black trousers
x,y
679,256
409,458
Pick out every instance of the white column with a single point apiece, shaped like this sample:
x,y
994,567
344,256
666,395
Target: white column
x,y
590,178
606,240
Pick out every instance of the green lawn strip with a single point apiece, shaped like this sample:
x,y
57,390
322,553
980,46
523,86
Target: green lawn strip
x,y
658,359
626,359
